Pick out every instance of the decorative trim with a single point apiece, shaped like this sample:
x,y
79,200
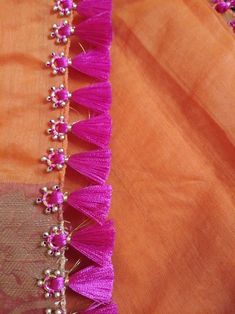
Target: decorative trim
x,y
94,237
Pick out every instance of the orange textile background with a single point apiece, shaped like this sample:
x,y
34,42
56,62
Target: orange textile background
x,y
173,73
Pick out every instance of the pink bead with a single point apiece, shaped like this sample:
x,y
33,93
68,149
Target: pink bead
x,y
62,127
61,62
67,4
62,94
65,30
55,198
222,7
57,158
59,240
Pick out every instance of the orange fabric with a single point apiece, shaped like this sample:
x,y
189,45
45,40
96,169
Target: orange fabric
x,y
173,151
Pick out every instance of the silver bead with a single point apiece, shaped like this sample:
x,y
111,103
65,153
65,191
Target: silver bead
x,y
59,167
40,283
43,158
55,187
57,294
48,63
57,254
55,137
54,209
55,8
47,272
38,201
61,150
50,252
43,244
51,150
48,98
45,234
55,229
49,169
62,137
58,312
57,273
54,72
47,295
47,211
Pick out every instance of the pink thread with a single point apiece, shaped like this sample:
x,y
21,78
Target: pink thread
x,y
95,283
92,7
96,97
94,164
93,201
96,130
94,63
95,242
97,30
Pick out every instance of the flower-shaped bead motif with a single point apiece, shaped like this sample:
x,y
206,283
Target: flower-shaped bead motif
x,y
62,31
64,7
58,63
59,96
52,199
53,284
55,159
58,129
55,240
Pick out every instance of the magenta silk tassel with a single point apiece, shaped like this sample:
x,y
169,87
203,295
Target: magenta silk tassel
x,y
96,30
105,309
94,63
96,97
93,201
94,164
95,242
92,7
96,130
94,282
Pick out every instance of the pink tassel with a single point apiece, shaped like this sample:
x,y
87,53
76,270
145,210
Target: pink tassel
x,y
96,97
106,309
93,63
95,283
96,30
94,164
93,201
92,7
95,242
96,130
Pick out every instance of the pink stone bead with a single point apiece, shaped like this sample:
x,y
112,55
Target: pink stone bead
x,y
62,94
62,127
65,30
222,7
55,198
67,4
61,62
59,240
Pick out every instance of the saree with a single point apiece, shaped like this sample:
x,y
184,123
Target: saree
x,y
173,157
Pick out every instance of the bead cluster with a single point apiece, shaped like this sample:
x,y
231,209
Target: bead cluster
x,y
58,128
55,159
58,63
59,97
51,199
64,7
61,32
53,283
55,240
